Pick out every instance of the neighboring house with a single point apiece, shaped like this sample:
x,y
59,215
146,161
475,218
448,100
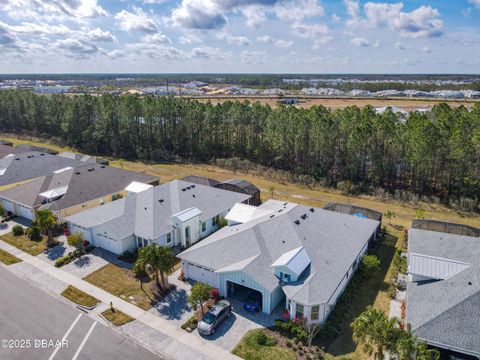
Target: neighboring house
x,y
85,158
17,168
443,294
70,190
286,252
177,213
236,185
29,148
6,150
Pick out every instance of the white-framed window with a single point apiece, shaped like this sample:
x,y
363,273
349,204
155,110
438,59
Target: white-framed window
x,y
204,226
315,312
169,238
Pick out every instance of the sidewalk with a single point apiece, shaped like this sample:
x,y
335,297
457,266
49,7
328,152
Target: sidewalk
x,y
178,335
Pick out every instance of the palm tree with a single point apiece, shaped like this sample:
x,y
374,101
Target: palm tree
x,y
46,221
376,332
155,259
409,348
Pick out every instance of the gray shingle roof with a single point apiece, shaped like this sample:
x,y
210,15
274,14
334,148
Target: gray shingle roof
x,y
436,308
31,165
147,217
332,241
84,184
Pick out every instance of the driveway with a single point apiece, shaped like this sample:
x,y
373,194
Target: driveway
x,y
231,331
84,266
176,309
16,221
174,306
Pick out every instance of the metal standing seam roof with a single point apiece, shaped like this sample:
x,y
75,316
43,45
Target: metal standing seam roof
x,y
332,241
187,214
445,312
242,213
150,211
434,267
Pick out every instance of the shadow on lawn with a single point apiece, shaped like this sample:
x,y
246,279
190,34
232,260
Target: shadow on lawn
x,y
173,305
342,343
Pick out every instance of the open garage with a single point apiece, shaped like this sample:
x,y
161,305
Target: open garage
x,y
243,293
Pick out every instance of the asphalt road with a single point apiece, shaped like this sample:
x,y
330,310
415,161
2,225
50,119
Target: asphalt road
x,y
29,315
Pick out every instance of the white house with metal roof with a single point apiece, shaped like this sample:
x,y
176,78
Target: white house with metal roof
x,y
177,213
293,255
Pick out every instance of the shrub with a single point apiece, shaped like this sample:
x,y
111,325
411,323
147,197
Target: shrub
x,y
17,230
346,187
370,265
33,233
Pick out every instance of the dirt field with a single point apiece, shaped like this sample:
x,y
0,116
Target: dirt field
x,y
340,103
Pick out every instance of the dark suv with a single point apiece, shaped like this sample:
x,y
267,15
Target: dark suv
x,y
214,317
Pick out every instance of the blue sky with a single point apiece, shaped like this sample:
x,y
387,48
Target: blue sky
x,y
274,36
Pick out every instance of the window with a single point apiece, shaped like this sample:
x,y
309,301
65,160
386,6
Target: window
x,y
204,226
315,312
285,276
215,220
299,311
169,238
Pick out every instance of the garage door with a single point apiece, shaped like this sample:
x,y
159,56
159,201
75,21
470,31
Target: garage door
x,y
79,229
25,212
200,274
108,244
7,205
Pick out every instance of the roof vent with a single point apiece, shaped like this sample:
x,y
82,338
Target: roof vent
x,y
271,216
188,187
285,204
91,169
280,210
304,216
184,189
312,210
297,222
469,283
160,201
194,195
103,166
145,208
17,158
193,186
42,154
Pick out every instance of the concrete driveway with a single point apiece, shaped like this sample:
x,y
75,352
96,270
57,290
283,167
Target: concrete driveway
x,y
15,221
84,266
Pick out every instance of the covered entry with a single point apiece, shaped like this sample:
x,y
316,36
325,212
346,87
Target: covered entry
x,y
245,294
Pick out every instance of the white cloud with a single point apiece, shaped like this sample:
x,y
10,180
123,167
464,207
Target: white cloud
x,y
197,14
360,42
138,20
189,39
52,9
157,39
283,43
7,38
399,46
77,46
475,2
335,17
207,52
422,22
298,10
98,34
318,33
265,39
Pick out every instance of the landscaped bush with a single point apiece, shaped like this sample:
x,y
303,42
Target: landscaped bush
x,y
128,256
294,329
264,340
370,265
190,324
17,230
64,260
33,233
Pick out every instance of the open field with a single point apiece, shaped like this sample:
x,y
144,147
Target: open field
x,y
407,104
119,282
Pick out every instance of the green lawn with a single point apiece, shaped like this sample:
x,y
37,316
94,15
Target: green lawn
x,y
117,317
32,247
79,297
122,283
7,258
249,349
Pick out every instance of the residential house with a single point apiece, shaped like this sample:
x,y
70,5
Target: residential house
x,y
85,158
289,254
443,292
17,168
70,190
177,213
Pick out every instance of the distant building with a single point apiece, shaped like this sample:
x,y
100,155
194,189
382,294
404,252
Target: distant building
x,y
243,187
28,147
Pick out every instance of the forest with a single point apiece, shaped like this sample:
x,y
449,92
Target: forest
x,y
430,154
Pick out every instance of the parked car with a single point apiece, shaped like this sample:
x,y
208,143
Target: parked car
x,y
253,303
214,317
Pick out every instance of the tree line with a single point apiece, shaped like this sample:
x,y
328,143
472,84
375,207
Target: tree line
x,y
435,153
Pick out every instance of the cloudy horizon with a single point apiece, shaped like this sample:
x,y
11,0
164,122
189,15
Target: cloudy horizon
x,y
239,36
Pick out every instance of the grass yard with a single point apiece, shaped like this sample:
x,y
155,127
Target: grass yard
x,y
32,247
249,349
79,297
117,317
122,283
7,258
